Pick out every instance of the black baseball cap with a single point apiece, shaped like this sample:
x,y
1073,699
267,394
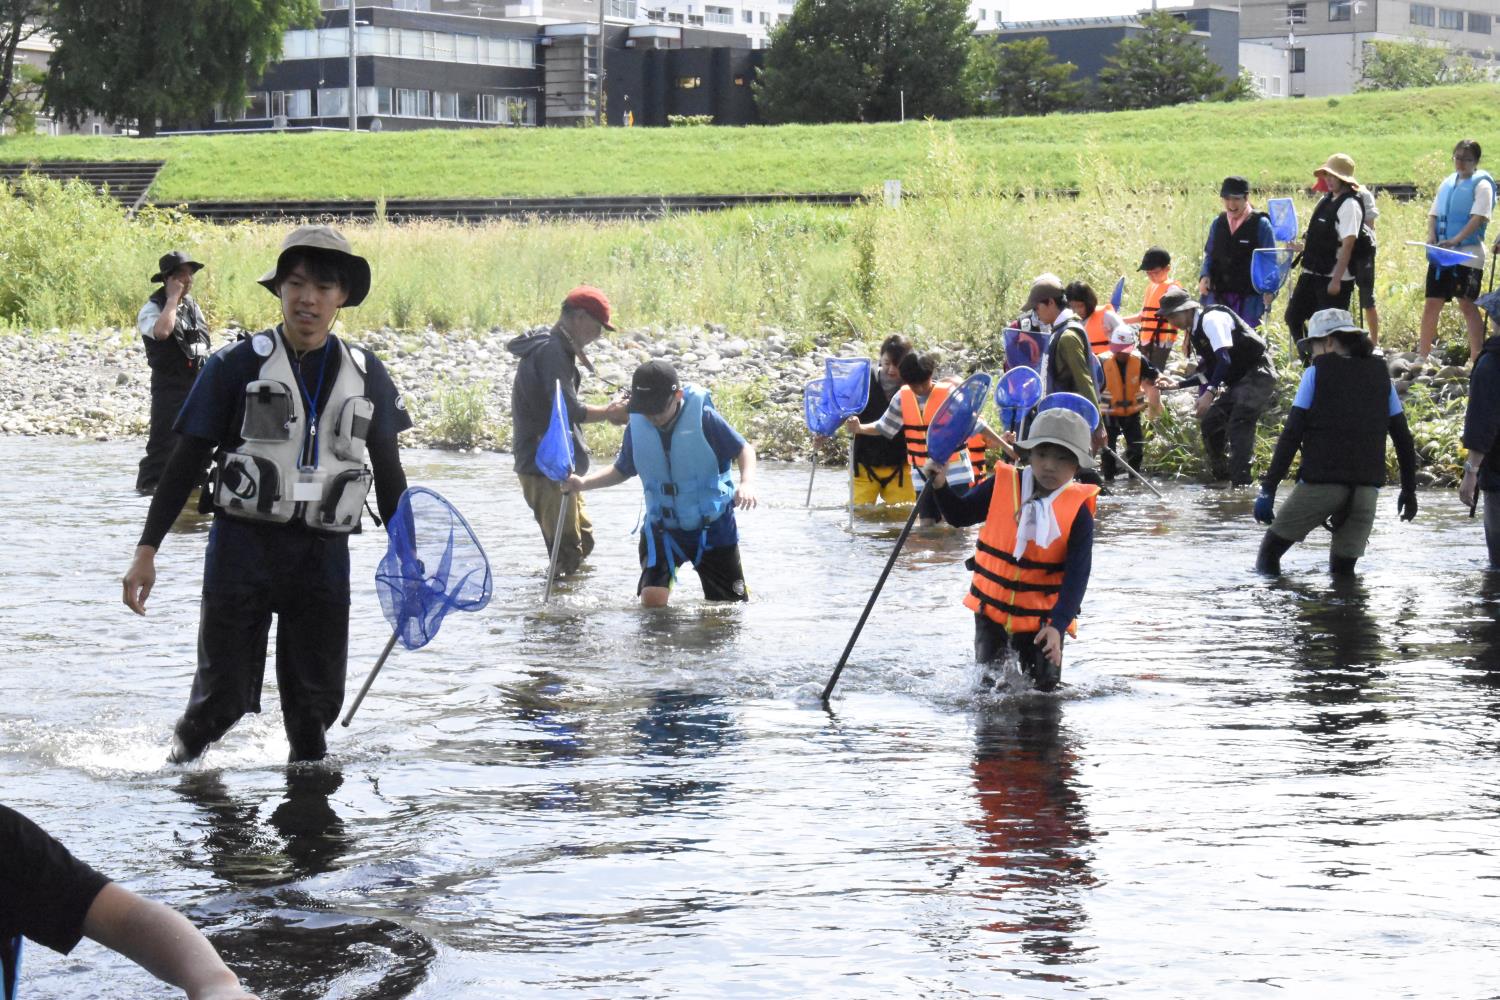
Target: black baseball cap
x,y
170,262
652,387
1234,187
1154,258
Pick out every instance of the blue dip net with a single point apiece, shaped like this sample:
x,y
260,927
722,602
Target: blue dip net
x,y
433,565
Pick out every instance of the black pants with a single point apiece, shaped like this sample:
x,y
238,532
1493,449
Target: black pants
x,y
1135,443
1309,296
991,641
312,642
1229,425
166,400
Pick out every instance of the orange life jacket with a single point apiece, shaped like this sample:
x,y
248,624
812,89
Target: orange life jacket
x,y
1156,331
1122,397
1018,593
1094,326
978,455
914,421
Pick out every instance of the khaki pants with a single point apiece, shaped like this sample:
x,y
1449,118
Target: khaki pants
x,y
1313,503
544,497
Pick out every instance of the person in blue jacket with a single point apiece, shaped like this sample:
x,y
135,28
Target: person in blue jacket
x,y
1345,408
683,451
1482,432
1460,211
1233,238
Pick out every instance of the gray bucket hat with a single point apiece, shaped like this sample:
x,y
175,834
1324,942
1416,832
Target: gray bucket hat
x,y
1327,322
1174,301
1063,428
325,238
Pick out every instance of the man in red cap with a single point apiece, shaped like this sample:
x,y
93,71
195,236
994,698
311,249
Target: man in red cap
x,y
546,361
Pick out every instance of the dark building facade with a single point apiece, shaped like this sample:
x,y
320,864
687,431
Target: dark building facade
x,y
424,69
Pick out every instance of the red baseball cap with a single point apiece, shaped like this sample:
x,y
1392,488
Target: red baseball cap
x,y
592,301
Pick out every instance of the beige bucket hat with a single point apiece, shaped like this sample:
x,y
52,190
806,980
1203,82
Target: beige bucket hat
x,y
357,269
1339,165
1063,428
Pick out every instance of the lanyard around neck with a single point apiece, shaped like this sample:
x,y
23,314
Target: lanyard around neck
x,y
311,440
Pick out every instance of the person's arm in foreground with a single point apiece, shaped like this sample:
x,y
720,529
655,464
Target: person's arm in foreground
x,y
163,942
744,494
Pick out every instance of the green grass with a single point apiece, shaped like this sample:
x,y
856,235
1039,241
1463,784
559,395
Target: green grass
x,y
1401,136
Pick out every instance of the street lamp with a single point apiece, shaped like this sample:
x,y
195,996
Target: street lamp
x,y
353,83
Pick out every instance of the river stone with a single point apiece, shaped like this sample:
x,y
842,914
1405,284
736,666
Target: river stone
x,y
734,348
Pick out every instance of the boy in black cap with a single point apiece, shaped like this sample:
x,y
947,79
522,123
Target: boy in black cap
x,y
683,451
1233,238
176,336
291,414
1157,335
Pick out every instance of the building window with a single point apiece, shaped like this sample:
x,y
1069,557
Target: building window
x,y
1299,60
1275,86
748,16
1340,10
409,43
765,17
1423,15
1296,13
689,82
258,105
445,103
98,128
374,100
291,103
1451,20
739,81
333,102
1481,24
982,13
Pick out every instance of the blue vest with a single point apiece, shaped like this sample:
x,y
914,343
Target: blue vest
x,y
685,490
1455,200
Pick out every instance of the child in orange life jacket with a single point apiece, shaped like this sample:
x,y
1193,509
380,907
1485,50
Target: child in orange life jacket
x,y
912,409
1157,335
1035,551
1129,388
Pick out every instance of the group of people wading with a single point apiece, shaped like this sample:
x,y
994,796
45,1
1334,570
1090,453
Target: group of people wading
x,y
300,427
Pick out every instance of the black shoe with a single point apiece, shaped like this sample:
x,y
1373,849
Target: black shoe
x,y
1046,675
1341,565
1272,548
180,752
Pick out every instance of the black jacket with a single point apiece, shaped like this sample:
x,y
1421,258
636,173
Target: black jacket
x,y
547,360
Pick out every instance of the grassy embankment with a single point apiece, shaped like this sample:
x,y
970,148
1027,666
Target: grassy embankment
x,y
951,266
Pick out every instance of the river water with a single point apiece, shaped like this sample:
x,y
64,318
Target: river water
x,y
1245,788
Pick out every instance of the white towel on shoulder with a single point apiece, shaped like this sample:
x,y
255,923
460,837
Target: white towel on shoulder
x,y
1037,523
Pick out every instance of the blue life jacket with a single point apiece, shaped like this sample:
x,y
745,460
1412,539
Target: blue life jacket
x,y
685,491
1455,199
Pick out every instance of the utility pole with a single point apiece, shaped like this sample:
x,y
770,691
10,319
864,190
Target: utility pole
x,y
353,89
598,70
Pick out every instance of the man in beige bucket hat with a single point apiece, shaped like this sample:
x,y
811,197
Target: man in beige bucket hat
x,y
1329,249
291,415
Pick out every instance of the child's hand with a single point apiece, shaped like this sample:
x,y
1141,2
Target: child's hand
x,y
935,474
1050,641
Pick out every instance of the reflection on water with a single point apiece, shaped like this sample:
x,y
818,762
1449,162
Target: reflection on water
x,y
1243,785
1034,828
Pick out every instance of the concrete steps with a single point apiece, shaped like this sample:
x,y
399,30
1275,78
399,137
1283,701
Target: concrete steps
x,y
127,181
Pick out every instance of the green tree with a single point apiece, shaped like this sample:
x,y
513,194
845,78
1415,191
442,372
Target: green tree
x,y
1027,79
167,60
868,60
19,93
1162,65
1398,65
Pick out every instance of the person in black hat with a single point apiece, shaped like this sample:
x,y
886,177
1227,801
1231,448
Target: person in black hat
x,y
1232,240
684,453
176,336
292,415
1157,335
1235,378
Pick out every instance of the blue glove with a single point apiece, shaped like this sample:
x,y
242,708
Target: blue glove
x,y
1265,507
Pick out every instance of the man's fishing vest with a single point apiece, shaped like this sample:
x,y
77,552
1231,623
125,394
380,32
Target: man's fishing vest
x,y
1123,395
1320,248
180,355
685,490
287,467
1247,351
1018,593
1229,265
915,419
1455,202
1347,422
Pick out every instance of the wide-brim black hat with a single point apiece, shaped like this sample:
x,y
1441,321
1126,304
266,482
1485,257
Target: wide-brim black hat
x,y
170,262
327,239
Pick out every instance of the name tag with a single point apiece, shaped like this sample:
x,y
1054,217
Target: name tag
x,y
307,492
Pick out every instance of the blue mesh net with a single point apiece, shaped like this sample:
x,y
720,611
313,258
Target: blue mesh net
x,y
1118,295
847,384
1071,401
1024,348
433,565
954,422
554,452
815,409
1283,213
1016,393
1444,257
1269,268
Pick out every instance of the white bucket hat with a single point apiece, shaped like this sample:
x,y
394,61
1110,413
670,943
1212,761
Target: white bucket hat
x,y
1124,338
1063,428
1327,322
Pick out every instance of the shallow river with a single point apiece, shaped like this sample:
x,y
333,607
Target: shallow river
x,y
1244,789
